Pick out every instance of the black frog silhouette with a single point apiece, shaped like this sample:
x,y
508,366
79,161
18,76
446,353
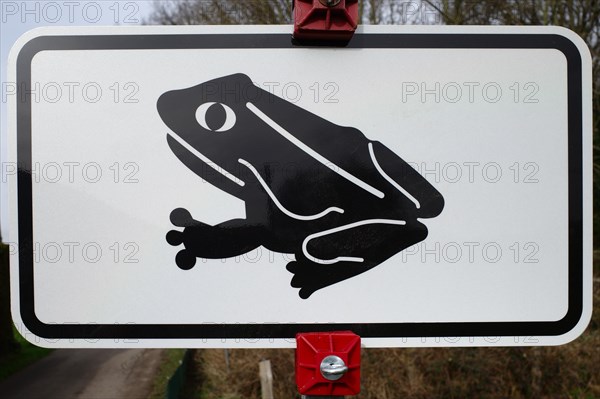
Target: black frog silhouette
x,y
339,202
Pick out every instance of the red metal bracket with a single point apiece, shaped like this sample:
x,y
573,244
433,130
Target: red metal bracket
x,y
328,363
328,20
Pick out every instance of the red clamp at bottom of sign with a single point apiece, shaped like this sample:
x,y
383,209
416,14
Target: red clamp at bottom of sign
x,y
328,363
334,20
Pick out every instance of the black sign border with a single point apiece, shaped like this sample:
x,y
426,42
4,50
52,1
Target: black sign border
x,y
287,331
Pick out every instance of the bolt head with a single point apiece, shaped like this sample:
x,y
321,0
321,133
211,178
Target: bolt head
x,y
333,368
330,3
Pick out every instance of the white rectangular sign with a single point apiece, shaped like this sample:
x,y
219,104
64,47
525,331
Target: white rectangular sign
x,y
222,186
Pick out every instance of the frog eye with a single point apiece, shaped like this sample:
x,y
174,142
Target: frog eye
x,y
216,117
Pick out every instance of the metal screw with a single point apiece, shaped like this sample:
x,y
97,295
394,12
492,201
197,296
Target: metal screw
x,y
330,3
333,368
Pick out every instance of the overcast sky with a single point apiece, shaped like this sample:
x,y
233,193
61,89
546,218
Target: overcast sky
x,y
17,17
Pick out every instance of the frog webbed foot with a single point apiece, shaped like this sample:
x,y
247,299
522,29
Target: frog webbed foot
x,y
185,259
302,278
231,238
331,256
181,218
311,277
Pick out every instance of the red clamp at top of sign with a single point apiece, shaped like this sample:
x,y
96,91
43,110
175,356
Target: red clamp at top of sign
x,y
328,363
329,20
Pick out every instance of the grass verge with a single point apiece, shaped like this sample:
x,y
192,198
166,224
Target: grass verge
x,y
171,360
23,356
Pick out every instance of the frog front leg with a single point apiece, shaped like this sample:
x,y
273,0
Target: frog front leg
x,y
231,238
334,255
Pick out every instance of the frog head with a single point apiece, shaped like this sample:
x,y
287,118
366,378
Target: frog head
x,y
211,121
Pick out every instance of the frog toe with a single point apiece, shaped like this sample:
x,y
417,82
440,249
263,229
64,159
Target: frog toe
x,y
181,217
310,277
303,276
298,280
305,293
185,259
175,237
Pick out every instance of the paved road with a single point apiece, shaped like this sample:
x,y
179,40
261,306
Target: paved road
x,y
86,374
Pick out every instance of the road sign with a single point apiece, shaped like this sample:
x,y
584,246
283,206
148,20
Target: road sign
x,y
221,186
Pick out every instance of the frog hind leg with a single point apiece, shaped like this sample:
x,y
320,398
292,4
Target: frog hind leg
x,y
231,238
335,255
404,178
